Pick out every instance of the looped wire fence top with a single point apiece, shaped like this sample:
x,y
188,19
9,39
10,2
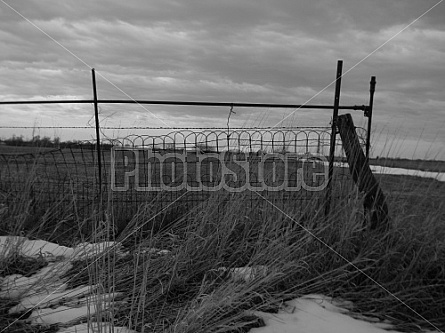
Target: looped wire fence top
x,y
301,140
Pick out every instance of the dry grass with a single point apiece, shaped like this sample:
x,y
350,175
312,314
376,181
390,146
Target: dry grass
x,y
398,275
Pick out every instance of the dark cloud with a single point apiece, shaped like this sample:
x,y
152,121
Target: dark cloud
x,y
283,51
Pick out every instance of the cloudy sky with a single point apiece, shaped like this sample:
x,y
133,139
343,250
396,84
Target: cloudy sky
x,y
257,51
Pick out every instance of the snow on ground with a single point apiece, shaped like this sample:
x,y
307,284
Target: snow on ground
x,y
32,248
50,251
45,290
17,286
317,314
49,298
440,176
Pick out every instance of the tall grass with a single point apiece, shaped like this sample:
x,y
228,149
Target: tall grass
x,y
397,275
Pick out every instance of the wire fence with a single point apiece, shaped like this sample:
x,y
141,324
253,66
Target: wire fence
x,y
180,169
69,176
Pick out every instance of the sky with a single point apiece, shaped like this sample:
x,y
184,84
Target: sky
x,y
252,51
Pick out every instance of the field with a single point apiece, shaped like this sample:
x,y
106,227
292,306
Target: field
x,y
396,275
424,165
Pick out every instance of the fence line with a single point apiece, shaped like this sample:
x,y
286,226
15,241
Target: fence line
x,y
70,174
57,165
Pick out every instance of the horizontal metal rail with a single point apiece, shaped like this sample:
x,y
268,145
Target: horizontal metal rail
x,y
175,128
226,104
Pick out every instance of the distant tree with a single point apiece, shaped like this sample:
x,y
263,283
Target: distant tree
x,y
45,142
15,140
57,142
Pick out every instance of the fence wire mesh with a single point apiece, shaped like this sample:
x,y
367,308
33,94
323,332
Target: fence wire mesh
x,y
68,175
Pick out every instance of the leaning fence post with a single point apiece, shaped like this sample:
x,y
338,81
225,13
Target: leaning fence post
x,y
376,209
333,135
368,113
99,154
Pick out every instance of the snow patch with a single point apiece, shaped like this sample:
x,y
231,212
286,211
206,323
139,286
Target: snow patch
x,y
62,314
48,298
17,286
316,314
44,290
32,248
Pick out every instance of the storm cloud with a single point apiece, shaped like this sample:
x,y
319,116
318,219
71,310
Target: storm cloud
x,y
258,51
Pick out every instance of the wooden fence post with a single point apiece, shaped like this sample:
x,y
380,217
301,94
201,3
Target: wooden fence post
x,y
376,209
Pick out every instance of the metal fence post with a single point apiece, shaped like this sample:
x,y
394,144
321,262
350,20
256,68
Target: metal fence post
x,y
96,116
368,113
333,135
